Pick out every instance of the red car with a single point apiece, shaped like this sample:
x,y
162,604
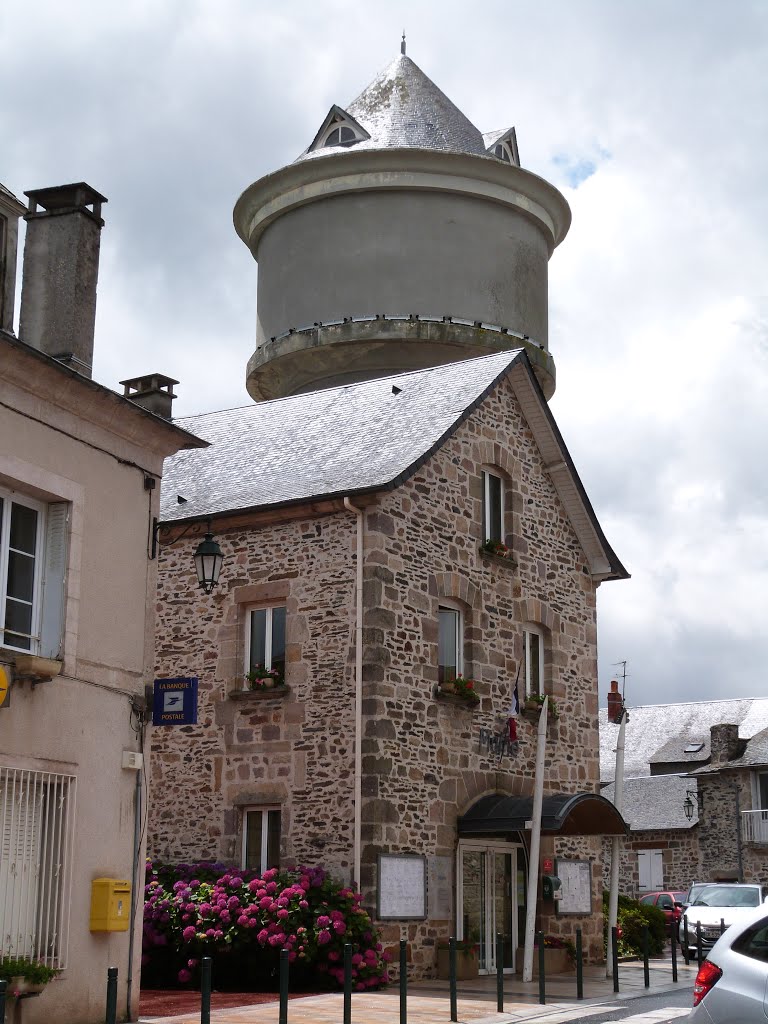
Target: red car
x,y
670,902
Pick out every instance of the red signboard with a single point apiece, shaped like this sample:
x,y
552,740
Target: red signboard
x,y
547,865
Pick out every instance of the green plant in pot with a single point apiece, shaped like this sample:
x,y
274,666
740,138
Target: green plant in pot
x,y
25,975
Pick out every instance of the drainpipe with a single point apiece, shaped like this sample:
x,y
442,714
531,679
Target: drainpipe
x,y
134,883
358,688
533,860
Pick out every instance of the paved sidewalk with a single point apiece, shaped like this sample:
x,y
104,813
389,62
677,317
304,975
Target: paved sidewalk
x,y
428,1001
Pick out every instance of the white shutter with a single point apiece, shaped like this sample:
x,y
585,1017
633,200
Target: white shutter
x,y
54,576
650,866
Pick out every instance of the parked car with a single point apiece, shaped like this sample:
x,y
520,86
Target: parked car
x,y
732,983
671,902
716,907
694,891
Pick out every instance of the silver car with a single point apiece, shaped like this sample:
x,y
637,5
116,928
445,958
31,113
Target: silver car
x,y
732,983
714,909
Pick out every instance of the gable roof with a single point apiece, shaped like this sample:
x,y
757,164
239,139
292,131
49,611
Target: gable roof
x,y
336,115
652,727
360,438
755,756
655,803
403,108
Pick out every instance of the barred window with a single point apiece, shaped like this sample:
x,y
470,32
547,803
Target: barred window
x,y
36,834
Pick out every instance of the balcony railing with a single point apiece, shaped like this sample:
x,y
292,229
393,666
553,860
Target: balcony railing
x,y
754,826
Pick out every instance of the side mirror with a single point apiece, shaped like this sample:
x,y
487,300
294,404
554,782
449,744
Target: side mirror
x,y
679,906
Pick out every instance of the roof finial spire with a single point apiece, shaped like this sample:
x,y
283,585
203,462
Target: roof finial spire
x,y
402,44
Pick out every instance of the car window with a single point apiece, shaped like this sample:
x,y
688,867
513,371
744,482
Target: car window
x,y
754,941
728,896
647,899
665,902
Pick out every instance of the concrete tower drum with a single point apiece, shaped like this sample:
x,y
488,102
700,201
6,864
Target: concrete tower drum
x,y
401,238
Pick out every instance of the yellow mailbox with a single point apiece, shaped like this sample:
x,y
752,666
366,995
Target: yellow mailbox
x,y
110,905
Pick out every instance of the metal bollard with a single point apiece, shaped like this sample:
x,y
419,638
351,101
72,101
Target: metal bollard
x,y
674,955
206,965
542,978
722,925
403,981
579,966
3,987
615,957
284,969
347,983
111,1016
687,938
699,947
646,971
500,973
452,977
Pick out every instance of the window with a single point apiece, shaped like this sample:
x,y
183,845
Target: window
x,y
449,645
493,507
503,153
341,136
261,838
754,941
33,554
265,639
36,832
533,661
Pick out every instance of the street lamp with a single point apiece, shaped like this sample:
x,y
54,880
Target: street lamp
x,y
208,559
688,803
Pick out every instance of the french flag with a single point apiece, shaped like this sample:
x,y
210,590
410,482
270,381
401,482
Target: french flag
x,y
514,711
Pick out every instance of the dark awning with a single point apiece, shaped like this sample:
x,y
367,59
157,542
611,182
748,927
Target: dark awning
x,y
563,814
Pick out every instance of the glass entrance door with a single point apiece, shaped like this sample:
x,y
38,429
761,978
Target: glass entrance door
x,y
489,899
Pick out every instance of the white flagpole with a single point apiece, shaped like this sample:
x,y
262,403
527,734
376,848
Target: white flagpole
x,y
618,802
533,860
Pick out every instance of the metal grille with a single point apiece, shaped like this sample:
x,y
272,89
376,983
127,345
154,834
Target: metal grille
x,y
36,833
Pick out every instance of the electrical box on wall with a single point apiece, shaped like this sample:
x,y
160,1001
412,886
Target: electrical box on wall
x,y
110,905
133,759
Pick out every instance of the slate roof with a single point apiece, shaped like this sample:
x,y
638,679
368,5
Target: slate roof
x,y
403,108
364,437
655,802
755,755
340,440
656,728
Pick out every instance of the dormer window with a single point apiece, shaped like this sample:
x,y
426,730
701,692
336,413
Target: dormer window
x,y
503,145
338,129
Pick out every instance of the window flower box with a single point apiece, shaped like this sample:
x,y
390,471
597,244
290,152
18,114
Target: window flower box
x,y
25,977
461,688
531,708
261,678
498,551
41,670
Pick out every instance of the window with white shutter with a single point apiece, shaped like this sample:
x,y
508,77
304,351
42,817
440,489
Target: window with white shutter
x,y
33,560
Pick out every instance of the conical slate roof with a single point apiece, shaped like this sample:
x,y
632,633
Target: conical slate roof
x,y
402,108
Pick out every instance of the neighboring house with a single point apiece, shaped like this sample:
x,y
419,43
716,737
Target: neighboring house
x,y
80,469
693,793
392,518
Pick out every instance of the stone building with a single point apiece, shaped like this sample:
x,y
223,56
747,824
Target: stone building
x,y
398,509
695,796
80,468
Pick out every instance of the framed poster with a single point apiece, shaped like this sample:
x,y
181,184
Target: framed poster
x,y
576,879
402,889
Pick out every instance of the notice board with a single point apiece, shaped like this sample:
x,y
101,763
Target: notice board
x,y
576,879
402,889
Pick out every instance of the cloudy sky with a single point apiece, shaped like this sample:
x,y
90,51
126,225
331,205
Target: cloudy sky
x,y
649,115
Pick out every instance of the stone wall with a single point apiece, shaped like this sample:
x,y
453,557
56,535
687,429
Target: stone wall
x,y
718,828
423,764
680,856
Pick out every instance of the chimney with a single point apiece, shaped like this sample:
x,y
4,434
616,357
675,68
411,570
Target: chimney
x,y
615,703
153,393
725,744
61,267
10,211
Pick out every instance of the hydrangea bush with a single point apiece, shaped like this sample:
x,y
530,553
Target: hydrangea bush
x,y
242,920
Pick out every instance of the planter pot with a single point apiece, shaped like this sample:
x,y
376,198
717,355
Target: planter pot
x,y
556,961
447,688
467,963
23,987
